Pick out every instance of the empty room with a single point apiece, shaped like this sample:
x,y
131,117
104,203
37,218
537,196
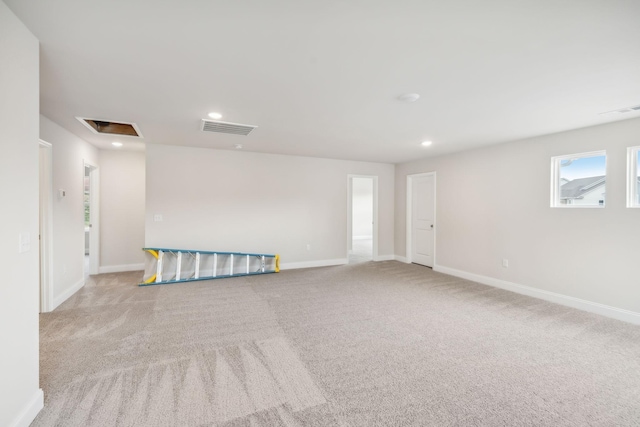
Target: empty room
x,y
408,213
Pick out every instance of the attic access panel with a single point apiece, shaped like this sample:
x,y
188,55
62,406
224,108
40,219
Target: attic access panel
x,y
106,127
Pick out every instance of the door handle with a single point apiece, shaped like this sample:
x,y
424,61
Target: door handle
x,y
431,225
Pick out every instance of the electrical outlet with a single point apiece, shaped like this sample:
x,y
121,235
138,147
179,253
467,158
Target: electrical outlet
x,y
505,262
157,217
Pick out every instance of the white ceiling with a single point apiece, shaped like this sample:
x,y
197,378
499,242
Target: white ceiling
x,y
321,78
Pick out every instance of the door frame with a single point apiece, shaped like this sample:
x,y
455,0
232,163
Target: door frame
x,y
45,190
374,242
409,238
94,213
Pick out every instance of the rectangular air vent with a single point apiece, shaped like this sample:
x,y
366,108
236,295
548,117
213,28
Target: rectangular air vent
x,y
110,127
226,127
623,110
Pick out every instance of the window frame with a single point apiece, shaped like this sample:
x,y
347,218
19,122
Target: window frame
x,y
632,177
555,178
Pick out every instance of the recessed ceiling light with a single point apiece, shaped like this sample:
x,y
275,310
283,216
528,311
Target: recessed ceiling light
x,y
238,146
426,143
117,144
409,97
215,116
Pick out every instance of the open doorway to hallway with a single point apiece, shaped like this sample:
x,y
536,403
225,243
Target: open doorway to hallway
x,y
46,225
87,218
362,241
91,219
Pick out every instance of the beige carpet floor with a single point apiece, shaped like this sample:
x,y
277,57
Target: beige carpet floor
x,y
361,251
371,344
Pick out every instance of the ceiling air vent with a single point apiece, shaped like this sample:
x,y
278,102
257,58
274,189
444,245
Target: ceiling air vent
x,y
226,127
623,110
109,127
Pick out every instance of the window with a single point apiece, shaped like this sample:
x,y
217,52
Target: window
x,y
633,174
578,180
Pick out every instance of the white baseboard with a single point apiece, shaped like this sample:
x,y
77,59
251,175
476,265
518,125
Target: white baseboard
x,y
384,258
309,264
120,268
362,238
30,411
592,307
401,258
67,294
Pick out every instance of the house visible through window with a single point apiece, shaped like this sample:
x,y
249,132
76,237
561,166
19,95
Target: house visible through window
x,y
579,180
633,183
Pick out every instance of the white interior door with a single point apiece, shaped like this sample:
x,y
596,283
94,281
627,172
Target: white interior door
x,y
422,220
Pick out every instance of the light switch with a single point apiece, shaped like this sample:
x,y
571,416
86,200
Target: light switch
x,y
157,217
25,242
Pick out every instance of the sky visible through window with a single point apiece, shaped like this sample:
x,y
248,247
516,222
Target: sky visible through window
x,y
583,167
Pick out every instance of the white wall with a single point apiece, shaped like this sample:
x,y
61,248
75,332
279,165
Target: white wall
x,y
493,203
362,216
69,154
20,396
239,201
122,210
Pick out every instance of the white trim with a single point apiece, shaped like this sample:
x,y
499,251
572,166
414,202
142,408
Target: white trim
x,y
30,411
46,226
374,238
409,214
580,304
311,264
385,258
401,258
120,268
632,177
67,294
362,237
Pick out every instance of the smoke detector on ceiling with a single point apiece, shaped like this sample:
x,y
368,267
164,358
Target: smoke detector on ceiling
x,y
409,97
226,127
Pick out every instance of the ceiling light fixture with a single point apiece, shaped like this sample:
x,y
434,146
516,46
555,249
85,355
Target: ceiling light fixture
x,y
426,143
117,144
238,146
409,97
215,116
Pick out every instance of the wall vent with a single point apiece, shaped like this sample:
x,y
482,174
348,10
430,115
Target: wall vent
x,y
110,127
226,127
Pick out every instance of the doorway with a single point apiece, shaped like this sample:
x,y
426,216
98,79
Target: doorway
x,y
421,218
362,220
45,186
90,187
